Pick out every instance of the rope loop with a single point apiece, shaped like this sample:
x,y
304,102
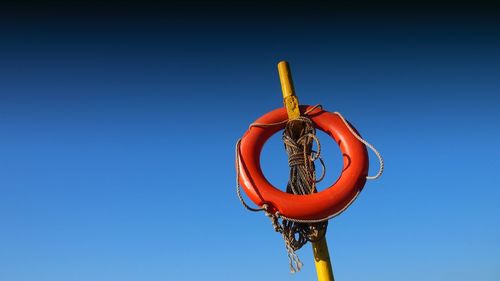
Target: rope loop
x,y
367,144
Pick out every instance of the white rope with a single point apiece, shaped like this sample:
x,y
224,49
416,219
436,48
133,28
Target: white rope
x,y
380,159
238,188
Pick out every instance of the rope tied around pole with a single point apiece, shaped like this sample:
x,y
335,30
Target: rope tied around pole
x,y
298,137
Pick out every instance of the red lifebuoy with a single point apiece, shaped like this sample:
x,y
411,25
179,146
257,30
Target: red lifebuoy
x,y
323,204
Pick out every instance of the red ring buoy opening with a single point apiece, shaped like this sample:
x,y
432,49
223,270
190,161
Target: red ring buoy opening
x,y
323,204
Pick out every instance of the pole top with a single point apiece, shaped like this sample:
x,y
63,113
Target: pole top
x,y
289,98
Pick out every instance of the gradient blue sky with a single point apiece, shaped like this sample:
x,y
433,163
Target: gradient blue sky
x,y
117,142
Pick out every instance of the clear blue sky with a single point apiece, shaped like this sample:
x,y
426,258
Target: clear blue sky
x,y
117,147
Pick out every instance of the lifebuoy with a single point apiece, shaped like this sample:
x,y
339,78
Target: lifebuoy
x,y
316,206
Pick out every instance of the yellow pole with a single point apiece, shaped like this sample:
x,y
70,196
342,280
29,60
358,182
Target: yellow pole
x,y
322,260
289,98
320,248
